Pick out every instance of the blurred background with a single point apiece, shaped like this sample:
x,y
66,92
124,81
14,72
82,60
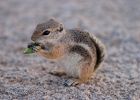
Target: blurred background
x,y
115,22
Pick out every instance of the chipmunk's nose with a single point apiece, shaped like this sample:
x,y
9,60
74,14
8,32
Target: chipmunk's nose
x,y
32,38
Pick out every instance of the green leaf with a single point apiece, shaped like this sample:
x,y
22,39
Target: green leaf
x,y
29,50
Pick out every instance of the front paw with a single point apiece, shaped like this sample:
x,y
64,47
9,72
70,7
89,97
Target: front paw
x,y
36,48
70,82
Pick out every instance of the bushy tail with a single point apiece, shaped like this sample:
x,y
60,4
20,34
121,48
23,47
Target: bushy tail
x,y
100,50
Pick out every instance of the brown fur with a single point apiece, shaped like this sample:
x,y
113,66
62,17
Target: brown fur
x,y
100,51
80,36
80,49
85,74
51,24
55,53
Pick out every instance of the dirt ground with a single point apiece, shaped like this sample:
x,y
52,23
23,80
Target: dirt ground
x,y
115,22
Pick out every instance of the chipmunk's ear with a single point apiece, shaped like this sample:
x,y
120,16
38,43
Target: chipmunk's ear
x,y
52,19
61,27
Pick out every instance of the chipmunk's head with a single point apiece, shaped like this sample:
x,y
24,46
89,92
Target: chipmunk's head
x,y
49,31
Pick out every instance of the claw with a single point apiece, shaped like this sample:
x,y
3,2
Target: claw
x,y
70,82
36,48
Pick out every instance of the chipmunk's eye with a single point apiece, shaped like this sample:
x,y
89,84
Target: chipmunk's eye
x,y
46,32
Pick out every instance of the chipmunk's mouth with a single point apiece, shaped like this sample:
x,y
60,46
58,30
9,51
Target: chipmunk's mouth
x,y
37,42
41,45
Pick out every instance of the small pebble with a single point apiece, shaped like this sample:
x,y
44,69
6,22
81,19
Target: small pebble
x,y
12,80
3,62
43,68
19,80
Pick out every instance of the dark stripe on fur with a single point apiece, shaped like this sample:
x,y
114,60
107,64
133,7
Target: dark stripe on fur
x,y
81,51
85,37
80,36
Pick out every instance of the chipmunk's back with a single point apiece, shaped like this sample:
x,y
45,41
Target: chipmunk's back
x,y
87,46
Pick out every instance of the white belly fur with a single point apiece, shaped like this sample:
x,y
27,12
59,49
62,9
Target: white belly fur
x,y
71,64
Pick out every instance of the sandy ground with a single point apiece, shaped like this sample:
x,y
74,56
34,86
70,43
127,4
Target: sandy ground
x,y
115,22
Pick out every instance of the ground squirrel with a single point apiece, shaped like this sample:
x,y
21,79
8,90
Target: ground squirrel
x,y
77,51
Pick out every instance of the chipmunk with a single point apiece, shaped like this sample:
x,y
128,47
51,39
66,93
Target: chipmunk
x,y
79,52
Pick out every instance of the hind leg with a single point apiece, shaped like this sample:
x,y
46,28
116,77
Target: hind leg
x,y
86,72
